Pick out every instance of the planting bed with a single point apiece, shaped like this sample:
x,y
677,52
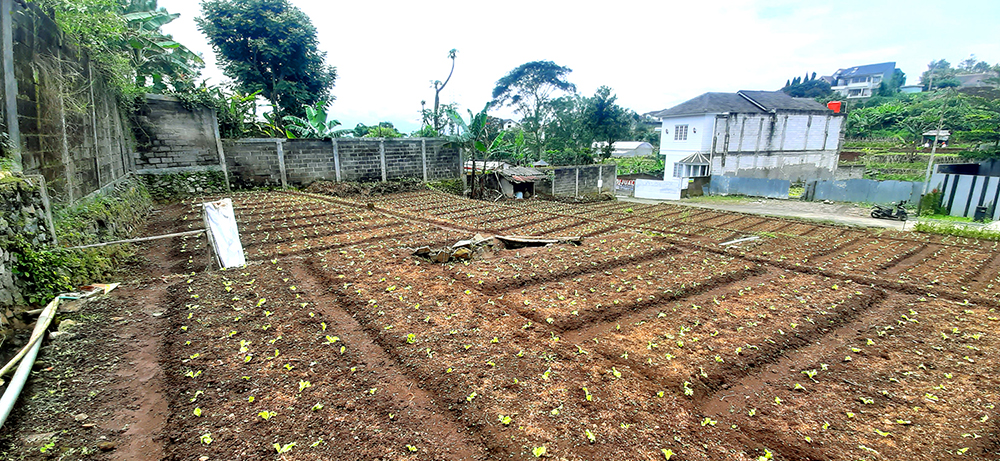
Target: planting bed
x,y
647,341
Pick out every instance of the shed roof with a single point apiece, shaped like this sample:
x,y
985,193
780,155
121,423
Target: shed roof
x,y
521,174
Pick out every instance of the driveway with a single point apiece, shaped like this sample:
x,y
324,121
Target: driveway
x,y
840,213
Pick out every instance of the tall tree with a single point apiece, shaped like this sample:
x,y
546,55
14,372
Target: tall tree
x,y
269,46
606,121
155,55
529,88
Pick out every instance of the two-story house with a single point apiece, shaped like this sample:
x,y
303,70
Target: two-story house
x,y
760,134
860,81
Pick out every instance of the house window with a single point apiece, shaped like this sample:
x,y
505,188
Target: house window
x,y
680,132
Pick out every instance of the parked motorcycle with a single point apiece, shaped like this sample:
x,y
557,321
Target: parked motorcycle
x,y
890,212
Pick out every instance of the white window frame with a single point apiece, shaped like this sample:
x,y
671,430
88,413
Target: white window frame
x,y
680,132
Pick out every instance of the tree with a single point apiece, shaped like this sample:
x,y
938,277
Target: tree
x,y
438,123
605,121
893,84
269,46
529,88
316,124
476,136
938,73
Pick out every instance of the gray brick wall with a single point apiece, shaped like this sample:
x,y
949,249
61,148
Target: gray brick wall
x,y
564,180
172,136
254,162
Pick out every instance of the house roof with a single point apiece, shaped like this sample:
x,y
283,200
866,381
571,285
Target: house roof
x,y
623,146
709,103
884,68
743,101
696,158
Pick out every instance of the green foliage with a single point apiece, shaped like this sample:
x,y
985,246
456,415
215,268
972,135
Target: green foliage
x,y
383,130
810,88
451,186
652,164
40,272
125,42
932,204
235,110
569,156
269,46
957,231
315,124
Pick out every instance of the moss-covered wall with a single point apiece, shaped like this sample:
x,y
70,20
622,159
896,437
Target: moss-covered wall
x,y
22,219
175,185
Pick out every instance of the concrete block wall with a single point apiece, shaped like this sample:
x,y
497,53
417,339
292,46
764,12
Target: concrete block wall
x,y
24,213
256,162
584,180
63,115
792,145
170,136
308,160
253,162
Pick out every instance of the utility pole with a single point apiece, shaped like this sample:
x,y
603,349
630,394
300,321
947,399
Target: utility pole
x,y
930,162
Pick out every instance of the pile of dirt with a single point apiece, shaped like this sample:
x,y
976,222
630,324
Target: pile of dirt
x,y
354,189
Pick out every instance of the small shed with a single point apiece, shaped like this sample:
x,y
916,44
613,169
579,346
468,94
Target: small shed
x,y
696,165
942,136
519,180
540,164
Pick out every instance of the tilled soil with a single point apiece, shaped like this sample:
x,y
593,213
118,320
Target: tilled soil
x,y
649,341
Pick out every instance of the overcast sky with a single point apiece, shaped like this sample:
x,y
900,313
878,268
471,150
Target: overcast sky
x,y
653,54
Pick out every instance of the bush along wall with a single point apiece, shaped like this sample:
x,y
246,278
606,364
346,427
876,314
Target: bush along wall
x,y
33,268
164,187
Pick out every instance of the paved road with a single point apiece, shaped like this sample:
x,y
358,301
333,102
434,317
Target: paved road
x,y
842,213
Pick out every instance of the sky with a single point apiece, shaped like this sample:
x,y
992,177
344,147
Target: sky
x,y
653,54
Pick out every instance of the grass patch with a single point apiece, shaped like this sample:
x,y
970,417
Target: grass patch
x,y
957,231
720,199
949,218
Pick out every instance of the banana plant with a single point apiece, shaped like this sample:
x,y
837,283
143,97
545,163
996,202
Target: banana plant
x,y
316,124
155,55
475,137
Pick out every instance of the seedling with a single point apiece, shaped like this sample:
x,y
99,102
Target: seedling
x,y
411,338
411,448
505,420
590,435
471,397
304,385
667,454
267,415
197,411
538,451
587,395
317,407
206,438
284,448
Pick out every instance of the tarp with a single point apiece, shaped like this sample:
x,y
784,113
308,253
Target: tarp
x,y
220,220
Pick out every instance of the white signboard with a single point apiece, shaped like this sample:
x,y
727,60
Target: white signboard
x,y
224,237
669,189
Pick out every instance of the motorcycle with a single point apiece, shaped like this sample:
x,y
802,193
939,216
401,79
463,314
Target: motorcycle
x,y
890,212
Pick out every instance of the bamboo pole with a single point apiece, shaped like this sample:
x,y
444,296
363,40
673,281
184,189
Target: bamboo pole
x,y
140,239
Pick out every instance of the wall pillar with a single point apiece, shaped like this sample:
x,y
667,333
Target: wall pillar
x,y
381,153
9,81
218,145
577,169
278,145
423,156
336,158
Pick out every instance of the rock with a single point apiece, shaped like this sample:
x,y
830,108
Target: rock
x,y
39,438
462,243
80,417
66,325
462,253
441,257
107,446
422,251
61,334
203,458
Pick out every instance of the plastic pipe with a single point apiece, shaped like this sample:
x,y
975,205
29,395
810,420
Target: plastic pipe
x,y
27,362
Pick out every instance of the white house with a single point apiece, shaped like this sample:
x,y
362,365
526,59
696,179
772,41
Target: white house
x,y
761,134
861,81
